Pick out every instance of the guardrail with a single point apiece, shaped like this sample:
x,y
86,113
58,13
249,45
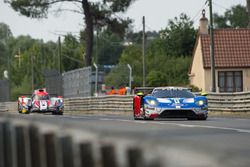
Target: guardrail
x,y
103,104
229,102
217,102
36,141
115,104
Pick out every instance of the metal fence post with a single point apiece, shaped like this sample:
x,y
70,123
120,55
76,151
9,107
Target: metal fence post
x,y
96,79
66,145
108,156
1,144
8,141
86,155
37,149
135,158
22,146
51,151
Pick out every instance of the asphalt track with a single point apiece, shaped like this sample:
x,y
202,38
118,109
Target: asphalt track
x,y
218,141
223,141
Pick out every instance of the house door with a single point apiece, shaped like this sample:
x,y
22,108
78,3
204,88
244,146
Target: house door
x,y
230,81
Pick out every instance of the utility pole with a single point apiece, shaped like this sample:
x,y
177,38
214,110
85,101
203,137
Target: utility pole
x,y
19,57
60,54
32,73
143,54
213,79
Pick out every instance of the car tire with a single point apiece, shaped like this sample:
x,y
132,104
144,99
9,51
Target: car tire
x,y
138,118
57,113
148,119
201,118
27,112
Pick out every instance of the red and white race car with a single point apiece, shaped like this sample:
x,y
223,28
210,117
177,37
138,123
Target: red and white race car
x,y
40,101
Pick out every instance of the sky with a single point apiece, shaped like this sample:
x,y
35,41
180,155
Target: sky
x,y
156,12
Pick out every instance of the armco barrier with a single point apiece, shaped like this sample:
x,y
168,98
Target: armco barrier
x,y
35,141
102,104
229,102
115,104
217,102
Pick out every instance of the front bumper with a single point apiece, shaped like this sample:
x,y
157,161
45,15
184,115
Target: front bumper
x,y
55,110
157,112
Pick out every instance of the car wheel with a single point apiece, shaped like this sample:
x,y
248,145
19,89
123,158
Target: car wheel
x,y
203,118
198,118
148,119
57,113
137,118
27,112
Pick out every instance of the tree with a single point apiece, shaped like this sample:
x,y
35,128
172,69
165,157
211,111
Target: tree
x,y
168,56
71,53
179,36
109,48
133,55
248,12
236,17
5,36
97,13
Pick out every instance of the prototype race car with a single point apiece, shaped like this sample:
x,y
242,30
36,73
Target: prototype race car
x,y
169,102
40,101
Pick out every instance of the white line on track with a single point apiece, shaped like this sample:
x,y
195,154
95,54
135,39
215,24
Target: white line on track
x,y
204,126
184,125
172,124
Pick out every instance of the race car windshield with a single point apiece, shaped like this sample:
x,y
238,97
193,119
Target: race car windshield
x,y
172,94
41,97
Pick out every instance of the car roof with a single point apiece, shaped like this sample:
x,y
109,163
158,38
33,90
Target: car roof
x,y
171,88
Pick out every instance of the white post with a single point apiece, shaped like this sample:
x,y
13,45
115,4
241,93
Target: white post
x,y
130,75
96,78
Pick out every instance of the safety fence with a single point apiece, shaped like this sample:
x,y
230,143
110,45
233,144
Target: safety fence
x,y
4,90
36,141
232,102
217,102
103,104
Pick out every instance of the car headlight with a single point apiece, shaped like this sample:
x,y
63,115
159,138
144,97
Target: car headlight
x,y
152,102
200,102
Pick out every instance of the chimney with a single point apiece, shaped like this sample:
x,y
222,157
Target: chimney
x,y
203,23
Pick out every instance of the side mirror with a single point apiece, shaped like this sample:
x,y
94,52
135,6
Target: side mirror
x,y
203,93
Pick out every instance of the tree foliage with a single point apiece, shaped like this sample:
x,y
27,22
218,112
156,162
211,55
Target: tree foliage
x,y
235,17
71,53
168,55
5,36
97,13
109,47
16,55
179,36
248,12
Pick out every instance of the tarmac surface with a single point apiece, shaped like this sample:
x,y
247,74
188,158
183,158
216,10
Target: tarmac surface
x,y
218,141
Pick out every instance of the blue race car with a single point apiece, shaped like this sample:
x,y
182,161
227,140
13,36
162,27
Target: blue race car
x,y
170,102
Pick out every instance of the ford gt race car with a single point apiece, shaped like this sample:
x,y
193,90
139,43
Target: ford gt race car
x,y
170,102
40,101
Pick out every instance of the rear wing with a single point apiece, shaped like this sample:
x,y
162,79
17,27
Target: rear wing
x,y
144,90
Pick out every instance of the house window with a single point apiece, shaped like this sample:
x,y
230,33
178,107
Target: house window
x,y
230,81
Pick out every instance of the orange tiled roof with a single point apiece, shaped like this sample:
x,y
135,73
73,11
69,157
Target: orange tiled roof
x,y
232,48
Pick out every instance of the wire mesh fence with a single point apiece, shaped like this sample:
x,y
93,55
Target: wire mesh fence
x,y
77,83
4,90
53,82
88,81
